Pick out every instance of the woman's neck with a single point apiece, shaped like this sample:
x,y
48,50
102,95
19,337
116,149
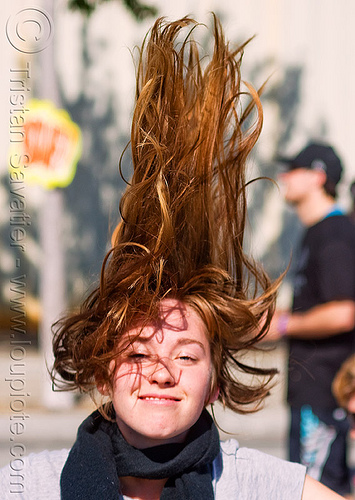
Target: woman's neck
x,y
140,488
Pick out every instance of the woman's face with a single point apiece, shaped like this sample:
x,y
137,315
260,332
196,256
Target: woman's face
x,y
162,381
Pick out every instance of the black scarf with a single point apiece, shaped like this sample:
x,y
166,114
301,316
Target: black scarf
x,y
100,455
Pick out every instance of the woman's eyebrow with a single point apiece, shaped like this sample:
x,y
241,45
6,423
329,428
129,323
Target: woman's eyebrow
x,y
186,341
141,340
179,342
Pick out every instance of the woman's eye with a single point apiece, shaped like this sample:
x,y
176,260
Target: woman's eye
x,y
186,357
137,356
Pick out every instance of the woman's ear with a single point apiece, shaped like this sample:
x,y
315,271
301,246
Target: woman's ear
x,y
213,396
101,385
103,389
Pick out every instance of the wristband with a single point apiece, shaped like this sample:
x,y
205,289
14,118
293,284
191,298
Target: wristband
x,y
282,324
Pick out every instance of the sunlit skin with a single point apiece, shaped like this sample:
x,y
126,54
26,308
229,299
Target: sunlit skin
x,y
162,381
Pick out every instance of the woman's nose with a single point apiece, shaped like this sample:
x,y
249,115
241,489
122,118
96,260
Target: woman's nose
x,y
164,373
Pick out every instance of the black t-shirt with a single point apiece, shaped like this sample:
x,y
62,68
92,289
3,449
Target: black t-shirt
x,y
325,272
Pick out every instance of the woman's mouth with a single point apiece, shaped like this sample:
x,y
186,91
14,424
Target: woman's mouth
x,y
159,399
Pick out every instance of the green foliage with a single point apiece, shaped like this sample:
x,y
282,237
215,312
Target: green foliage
x,y
139,10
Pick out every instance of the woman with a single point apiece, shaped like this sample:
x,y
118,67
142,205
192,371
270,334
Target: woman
x,y
344,390
164,333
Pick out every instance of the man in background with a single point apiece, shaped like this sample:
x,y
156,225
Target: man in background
x,y
352,194
320,329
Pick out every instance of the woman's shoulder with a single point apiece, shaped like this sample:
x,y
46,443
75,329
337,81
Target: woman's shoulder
x,y
246,473
34,476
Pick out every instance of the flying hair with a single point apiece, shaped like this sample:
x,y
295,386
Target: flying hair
x,y
183,216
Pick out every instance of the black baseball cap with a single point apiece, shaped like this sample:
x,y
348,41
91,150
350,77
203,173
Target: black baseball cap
x,y
316,156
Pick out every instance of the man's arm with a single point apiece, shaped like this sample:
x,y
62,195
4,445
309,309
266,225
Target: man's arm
x,y
313,490
325,320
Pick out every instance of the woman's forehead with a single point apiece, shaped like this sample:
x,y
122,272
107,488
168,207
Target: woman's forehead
x,y
176,321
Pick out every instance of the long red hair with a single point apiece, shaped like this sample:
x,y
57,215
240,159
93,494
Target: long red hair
x,y
182,218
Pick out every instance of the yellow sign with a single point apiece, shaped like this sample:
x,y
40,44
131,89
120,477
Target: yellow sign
x,y
49,146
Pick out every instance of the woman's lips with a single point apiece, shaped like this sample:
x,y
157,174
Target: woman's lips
x,y
155,398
